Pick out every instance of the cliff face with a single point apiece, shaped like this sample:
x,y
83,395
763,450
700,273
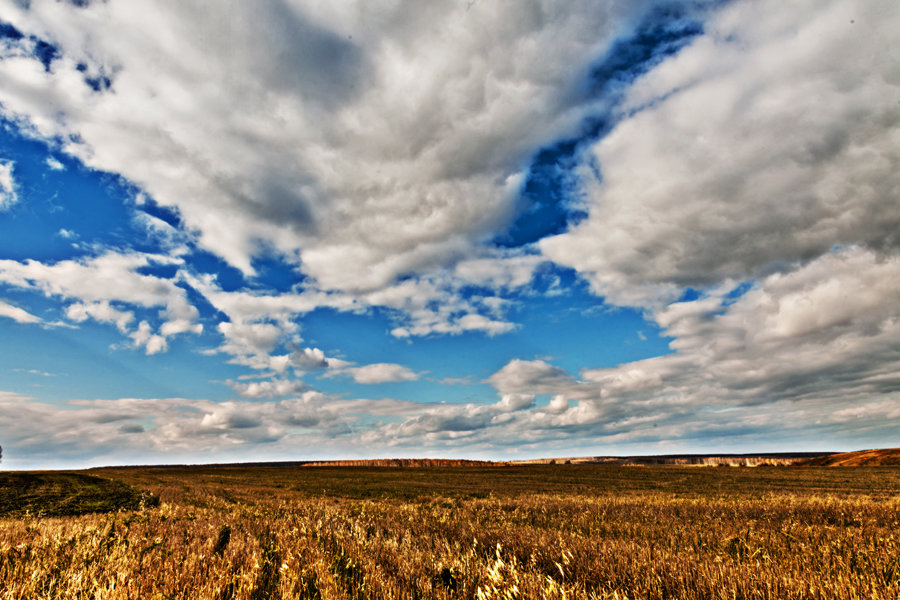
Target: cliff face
x,y
862,458
727,461
761,460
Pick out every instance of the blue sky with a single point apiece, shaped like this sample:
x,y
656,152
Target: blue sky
x,y
469,230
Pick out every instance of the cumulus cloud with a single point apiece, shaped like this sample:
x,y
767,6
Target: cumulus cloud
x,y
435,304
151,342
95,282
259,324
378,373
261,328
768,141
821,338
524,376
8,195
326,129
249,339
268,388
808,354
311,359
102,311
154,430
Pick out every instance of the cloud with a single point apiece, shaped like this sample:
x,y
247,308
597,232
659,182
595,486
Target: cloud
x,y
436,304
268,388
96,282
155,430
17,314
102,312
34,372
249,339
527,375
309,359
813,342
379,373
8,194
151,342
455,381
259,324
822,330
766,142
809,354
329,126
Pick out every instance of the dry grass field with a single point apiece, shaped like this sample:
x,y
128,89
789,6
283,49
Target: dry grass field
x,y
542,531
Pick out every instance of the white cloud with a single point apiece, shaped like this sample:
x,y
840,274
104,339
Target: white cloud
x,y
530,377
54,164
17,314
259,324
151,342
327,128
823,337
769,140
95,282
8,194
102,312
435,305
250,339
176,326
268,388
308,359
515,401
808,355
34,372
378,373
510,271
154,430
109,277
172,240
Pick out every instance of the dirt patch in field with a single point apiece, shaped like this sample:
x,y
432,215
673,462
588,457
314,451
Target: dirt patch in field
x,y
60,494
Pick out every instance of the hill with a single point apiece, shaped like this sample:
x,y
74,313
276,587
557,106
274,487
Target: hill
x,y
882,457
863,458
697,460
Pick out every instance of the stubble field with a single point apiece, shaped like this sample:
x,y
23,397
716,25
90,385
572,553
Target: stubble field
x,y
544,531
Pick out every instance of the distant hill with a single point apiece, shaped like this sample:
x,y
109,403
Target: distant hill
x,y
414,463
862,458
699,460
396,463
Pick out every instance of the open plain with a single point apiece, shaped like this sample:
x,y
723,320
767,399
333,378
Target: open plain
x,y
528,531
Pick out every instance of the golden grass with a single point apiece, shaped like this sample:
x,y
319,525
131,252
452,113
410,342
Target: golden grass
x,y
861,458
662,533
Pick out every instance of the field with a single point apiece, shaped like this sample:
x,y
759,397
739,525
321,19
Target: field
x,y
66,494
540,531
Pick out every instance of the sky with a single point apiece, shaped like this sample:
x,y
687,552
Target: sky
x,y
300,230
